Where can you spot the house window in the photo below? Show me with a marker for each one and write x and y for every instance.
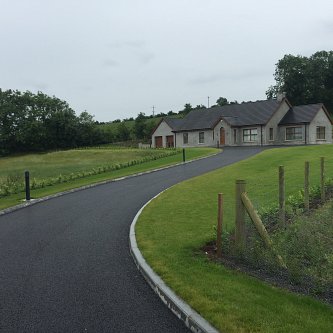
(201, 137)
(271, 134)
(250, 134)
(235, 136)
(185, 138)
(294, 133)
(321, 133)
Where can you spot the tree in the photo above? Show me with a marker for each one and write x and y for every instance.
(199, 107)
(139, 128)
(305, 80)
(150, 128)
(62, 129)
(290, 77)
(187, 109)
(123, 133)
(221, 101)
(87, 131)
(31, 122)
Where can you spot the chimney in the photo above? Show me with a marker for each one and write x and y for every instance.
(280, 96)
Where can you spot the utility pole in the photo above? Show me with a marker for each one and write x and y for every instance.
(153, 107)
(208, 101)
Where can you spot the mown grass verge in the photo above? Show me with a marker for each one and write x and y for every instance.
(59, 166)
(173, 228)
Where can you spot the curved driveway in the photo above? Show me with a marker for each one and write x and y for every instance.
(65, 264)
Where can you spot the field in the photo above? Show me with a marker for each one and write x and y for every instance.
(53, 172)
(52, 164)
(173, 229)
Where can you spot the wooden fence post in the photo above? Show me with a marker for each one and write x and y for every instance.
(240, 216)
(322, 178)
(219, 226)
(260, 227)
(306, 186)
(282, 198)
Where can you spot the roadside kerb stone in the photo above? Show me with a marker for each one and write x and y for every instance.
(181, 309)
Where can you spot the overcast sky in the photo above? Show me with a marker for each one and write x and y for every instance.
(118, 58)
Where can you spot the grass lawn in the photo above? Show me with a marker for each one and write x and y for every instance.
(53, 164)
(173, 228)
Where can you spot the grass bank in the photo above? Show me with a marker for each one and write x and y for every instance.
(173, 228)
(84, 163)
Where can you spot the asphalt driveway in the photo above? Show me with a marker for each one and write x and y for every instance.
(65, 264)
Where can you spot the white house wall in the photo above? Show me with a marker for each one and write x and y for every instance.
(257, 142)
(320, 120)
(278, 135)
(227, 131)
(193, 139)
(303, 141)
(162, 130)
(309, 131)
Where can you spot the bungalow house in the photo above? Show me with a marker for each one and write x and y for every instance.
(270, 122)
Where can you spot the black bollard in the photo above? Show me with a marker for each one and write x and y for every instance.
(27, 186)
(184, 155)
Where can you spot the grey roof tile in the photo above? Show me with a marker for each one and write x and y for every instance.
(245, 114)
(300, 114)
(174, 123)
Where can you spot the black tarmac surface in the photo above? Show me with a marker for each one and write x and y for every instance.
(65, 264)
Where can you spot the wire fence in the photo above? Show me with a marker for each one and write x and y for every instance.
(264, 190)
(298, 251)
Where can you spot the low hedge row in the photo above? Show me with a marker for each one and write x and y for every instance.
(15, 183)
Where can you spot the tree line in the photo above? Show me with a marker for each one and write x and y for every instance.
(37, 122)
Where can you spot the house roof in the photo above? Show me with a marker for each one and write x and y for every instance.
(245, 114)
(174, 123)
(302, 114)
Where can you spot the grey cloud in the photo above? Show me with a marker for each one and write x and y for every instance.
(86, 88)
(132, 44)
(110, 63)
(146, 58)
(328, 26)
(228, 75)
(206, 79)
(41, 86)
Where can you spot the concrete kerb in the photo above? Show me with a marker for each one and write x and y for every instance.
(182, 310)
(36, 201)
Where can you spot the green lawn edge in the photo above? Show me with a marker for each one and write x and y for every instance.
(191, 154)
(176, 224)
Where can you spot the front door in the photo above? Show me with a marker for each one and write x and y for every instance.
(169, 141)
(222, 136)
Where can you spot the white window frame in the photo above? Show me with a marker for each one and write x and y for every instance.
(271, 131)
(185, 135)
(252, 129)
(294, 139)
(318, 128)
(201, 139)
